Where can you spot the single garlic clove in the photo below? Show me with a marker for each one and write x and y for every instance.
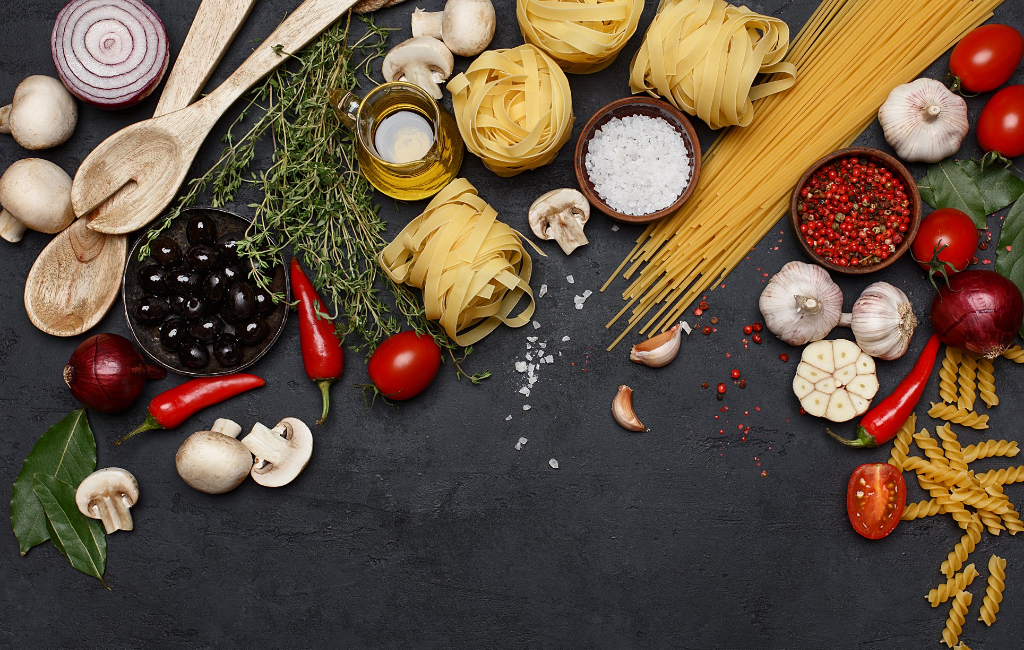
(658, 351)
(815, 403)
(622, 410)
(819, 354)
(802, 387)
(840, 407)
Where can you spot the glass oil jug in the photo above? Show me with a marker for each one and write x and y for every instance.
(408, 147)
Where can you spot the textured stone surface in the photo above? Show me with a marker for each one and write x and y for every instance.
(423, 526)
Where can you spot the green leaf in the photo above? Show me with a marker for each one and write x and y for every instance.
(79, 539)
(947, 185)
(999, 186)
(1010, 251)
(66, 451)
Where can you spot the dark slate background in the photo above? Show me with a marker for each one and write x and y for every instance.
(423, 526)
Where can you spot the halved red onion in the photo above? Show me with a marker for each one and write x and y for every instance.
(109, 53)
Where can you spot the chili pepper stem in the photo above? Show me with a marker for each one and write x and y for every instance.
(148, 425)
(864, 440)
(325, 391)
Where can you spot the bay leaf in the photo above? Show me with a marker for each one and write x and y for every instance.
(947, 185)
(1010, 250)
(66, 451)
(999, 186)
(78, 538)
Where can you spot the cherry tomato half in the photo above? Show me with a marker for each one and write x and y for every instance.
(404, 365)
(987, 57)
(1001, 123)
(953, 232)
(875, 499)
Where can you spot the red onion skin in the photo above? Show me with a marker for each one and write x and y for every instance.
(980, 311)
(106, 373)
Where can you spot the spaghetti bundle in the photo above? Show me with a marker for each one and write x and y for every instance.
(582, 36)
(849, 55)
(472, 268)
(703, 56)
(514, 109)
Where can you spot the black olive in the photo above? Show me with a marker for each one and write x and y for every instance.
(252, 331)
(153, 279)
(228, 350)
(201, 257)
(193, 354)
(194, 308)
(165, 251)
(264, 303)
(172, 334)
(240, 303)
(150, 310)
(200, 230)
(183, 281)
(215, 287)
(233, 273)
(226, 248)
(205, 329)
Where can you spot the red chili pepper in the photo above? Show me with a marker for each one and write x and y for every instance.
(882, 423)
(172, 407)
(322, 354)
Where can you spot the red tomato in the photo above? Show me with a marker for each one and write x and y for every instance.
(875, 499)
(987, 57)
(1001, 124)
(404, 365)
(948, 234)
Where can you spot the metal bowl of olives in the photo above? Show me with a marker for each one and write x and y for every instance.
(191, 304)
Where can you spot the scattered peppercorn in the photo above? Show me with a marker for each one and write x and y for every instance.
(756, 327)
(719, 397)
(698, 311)
(748, 330)
(721, 389)
(706, 330)
(704, 384)
(757, 338)
(735, 374)
(743, 383)
(704, 305)
(783, 357)
(714, 320)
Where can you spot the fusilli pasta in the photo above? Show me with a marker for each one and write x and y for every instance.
(945, 475)
(948, 375)
(930, 448)
(922, 509)
(968, 374)
(959, 582)
(1014, 354)
(951, 445)
(963, 416)
(991, 448)
(901, 444)
(963, 548)
(994, 590)
(957, 615)
(987, 382)
(1003, 476)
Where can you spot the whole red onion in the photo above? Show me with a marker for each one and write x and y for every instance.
(980, 311)
(106, 373)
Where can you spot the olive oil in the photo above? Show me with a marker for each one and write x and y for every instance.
(403, 136)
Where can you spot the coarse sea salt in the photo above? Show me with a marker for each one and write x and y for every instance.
(638, 164)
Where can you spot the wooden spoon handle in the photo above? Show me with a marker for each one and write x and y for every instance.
(298, 29)
(213, 29)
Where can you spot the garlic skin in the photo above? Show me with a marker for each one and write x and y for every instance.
(622, 410)
(801, 303)
(882, 321)
(658, 351)
(924, 121)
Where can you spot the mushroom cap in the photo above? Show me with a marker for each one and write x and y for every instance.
(281, 453)
(213, 462)
(468, 26)
(38, 194)
(554, 202)
(413, 59)
(43, 113)
(111, 481)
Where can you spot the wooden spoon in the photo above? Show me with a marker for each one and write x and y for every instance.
(156, 154)
(76, 278)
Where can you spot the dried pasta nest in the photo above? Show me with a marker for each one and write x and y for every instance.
(582, 36)
(513, 108)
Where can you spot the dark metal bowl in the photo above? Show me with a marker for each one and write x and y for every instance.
(147, 336)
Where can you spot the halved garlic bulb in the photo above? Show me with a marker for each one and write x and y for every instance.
(924, 121)
(835, 380)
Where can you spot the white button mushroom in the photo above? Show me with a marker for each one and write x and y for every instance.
(465, 26)
(423, 61)
(281, 453)
(214, 461)
(36, 194)
(561, 215)
(107, 495)
(43, 113)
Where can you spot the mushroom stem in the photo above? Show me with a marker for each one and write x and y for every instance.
(10, 228)
(267, 445)
(5, 119)
(427, 23)
(422, 76)
(568, 232)
(114, 511)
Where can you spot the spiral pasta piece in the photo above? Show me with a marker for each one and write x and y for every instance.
(963, 548)
(703, 56)
(901, 444)
(994, 590)
(1003, 476)
(956, 415)
(513, 108)
(956, 618)
(983, 501)
(951, 445)
(961, 646)
(922, 509)
(993, 522)
(1012, 522)
(948, 375)
(472, 268)
(1014, 354)
(967, 381)
(959, 582)
(987, 382)
(582, 36)
(939, 473)
(930, 448)
(990, 449)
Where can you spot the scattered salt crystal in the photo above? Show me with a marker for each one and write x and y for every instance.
(553, 463)
(524, 391)
(523, 441)
(529, 356)
(564, 339)
(543, 345)
(686, 327)
(588, 293)
(520, 366)
(532, 380)
(570, 279)
(549, 359)
(615, 227)
(543, 290)
(536, 325)
(508, 418)
(531, 339)
(526, 407)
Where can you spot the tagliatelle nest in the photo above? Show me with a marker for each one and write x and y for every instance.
(582, 36)
(472, 268)
(513, 108)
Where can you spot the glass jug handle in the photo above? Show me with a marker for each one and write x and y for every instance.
(346, 105)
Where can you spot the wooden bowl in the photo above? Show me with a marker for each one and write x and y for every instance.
(148, 336)
(637, 106)
(879, 158)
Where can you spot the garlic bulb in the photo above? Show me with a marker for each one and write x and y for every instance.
(924, 121)
(835, 380)
(801, 303)
(882, 321)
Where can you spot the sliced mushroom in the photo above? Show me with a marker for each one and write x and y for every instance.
(281, 453)
(41, 115)
(214, 461)
(107, 495)
(36, 194)
(423, 61)
(561, 215)
(465, 26)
